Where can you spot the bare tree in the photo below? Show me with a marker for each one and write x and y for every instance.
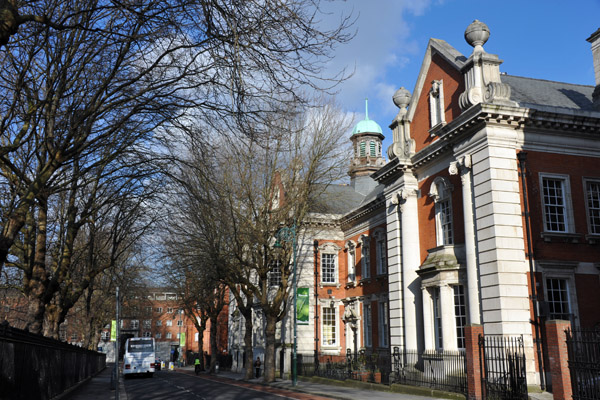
(243, 192)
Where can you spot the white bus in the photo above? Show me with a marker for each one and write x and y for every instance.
(139, 356)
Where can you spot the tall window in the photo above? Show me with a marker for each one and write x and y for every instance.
(381, 254)
(436, 103)
(159, 323)
(329, 326)
(557, 291)
(328, 274)
(159, 310)
(147, 323)
(437, 318)
(592, 189)
(351, 262)
(460, 313)
(147, 334)
(555, 200)
(367, 324)
(372, 149)
(169, 322)
(383, 323)
(441, 191)
(169, 335)
(134, 324)
(275, 273)
(169, 310)
(365, 257)
(158, 335)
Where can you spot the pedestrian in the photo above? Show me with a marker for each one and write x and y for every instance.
(197, 365)
(257, 366)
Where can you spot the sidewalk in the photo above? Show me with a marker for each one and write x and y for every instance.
(96, 388)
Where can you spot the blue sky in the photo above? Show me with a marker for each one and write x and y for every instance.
(539, 39)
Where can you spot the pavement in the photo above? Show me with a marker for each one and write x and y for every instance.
(99, 387)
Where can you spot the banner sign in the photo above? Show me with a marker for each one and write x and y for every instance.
(113, 331)
(302, 306)
(182, 339)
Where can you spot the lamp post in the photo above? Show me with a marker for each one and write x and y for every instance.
(288, 234)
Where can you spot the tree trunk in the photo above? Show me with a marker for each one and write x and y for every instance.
(249, 358)
(213, 343)
(269, 361)
(38, 282)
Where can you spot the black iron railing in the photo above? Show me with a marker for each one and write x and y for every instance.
(442, 370)
(36, 367)
(584, 363)
(503, 367)
(365, 366)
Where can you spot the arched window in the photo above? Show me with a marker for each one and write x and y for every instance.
(441, 192)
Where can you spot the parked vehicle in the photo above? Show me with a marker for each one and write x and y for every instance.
(139, 356)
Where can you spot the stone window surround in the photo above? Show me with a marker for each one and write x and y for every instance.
(569, 218)
(329, 248)
(562, 270)
(351, 261)
(440, 190)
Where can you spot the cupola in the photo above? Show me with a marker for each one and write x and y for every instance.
(367, 139)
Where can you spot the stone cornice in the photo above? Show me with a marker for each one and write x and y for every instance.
(552, 119)
(363, 211)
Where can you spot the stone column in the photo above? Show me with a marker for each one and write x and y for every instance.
(410, 264)
(463, 166)
(448, 320)
(427, 320)
(394, 272)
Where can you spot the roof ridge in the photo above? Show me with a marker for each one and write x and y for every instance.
(544, 80)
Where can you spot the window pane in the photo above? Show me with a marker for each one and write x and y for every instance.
(558, 299)
(593, 200)
(328, 268)
(460, 312)
(554, 205)
(367, 324)
(329, 326)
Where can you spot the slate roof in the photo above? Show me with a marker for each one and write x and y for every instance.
(337, 199)
(532, 93)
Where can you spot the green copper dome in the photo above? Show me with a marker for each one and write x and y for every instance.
(367, 125)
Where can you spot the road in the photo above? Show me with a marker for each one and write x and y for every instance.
(166, 385)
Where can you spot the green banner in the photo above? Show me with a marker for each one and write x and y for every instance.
(302, 306)
(113, 331)
(182, 339)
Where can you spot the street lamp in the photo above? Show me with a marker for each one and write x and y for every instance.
(289, 235)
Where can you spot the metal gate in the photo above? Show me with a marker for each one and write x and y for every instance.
(584, 363)
(503, 372)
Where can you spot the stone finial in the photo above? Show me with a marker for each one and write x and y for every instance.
(403, 146)
(401, 98)
(477, 34)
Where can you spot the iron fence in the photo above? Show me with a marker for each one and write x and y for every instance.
(503, 367)
(583, 347)
(366, 366)
(442, 370)
(36, 367)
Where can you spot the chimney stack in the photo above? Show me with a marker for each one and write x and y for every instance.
(594, 39)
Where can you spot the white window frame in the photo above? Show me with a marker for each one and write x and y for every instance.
(169, 322)
(330, 249)
(179, 322)
(159, 310)
(274, 274)
(335, 312)
(592, 213)
(159, 322)
(438, 332)
(158, 335)
(564, 271)
(460, 303)
(367, 320)
(381, 252)
(147, 334)
(169, 310)
(365, 257)
(147, 323)
(441, 192)
(332, 268)
(567, 203)
(169, 335)
(383, 317)
(134, 324)
(351, 260)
